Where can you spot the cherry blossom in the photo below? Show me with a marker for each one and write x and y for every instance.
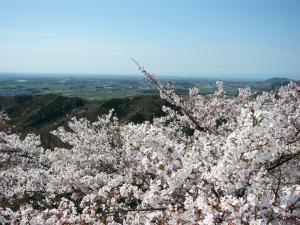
(210, 160)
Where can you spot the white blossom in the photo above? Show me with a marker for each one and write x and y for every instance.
(216, 160)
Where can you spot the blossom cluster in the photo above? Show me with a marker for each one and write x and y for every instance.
(209, 160)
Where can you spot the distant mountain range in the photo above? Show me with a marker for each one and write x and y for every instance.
(278, 82)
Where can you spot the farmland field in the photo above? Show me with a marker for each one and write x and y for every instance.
(105, 87)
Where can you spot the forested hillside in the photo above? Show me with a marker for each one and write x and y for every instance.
(41, 114)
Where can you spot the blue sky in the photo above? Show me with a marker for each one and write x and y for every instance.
(169, 37)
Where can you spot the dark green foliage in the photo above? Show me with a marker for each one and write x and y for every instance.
(138, 118)
(22, 98)
(42, 113)
(55, 109)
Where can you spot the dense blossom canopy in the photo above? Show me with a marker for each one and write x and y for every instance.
(209, 160)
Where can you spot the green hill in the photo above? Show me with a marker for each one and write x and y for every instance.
(42, 113)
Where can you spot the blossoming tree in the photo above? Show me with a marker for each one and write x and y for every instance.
(210, 160)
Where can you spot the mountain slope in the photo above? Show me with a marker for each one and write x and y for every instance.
(42, 113)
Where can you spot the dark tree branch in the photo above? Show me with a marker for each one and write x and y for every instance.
(281, 160)
(152, 78)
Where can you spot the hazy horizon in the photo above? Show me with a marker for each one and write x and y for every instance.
(258, 77)
(243, 39)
